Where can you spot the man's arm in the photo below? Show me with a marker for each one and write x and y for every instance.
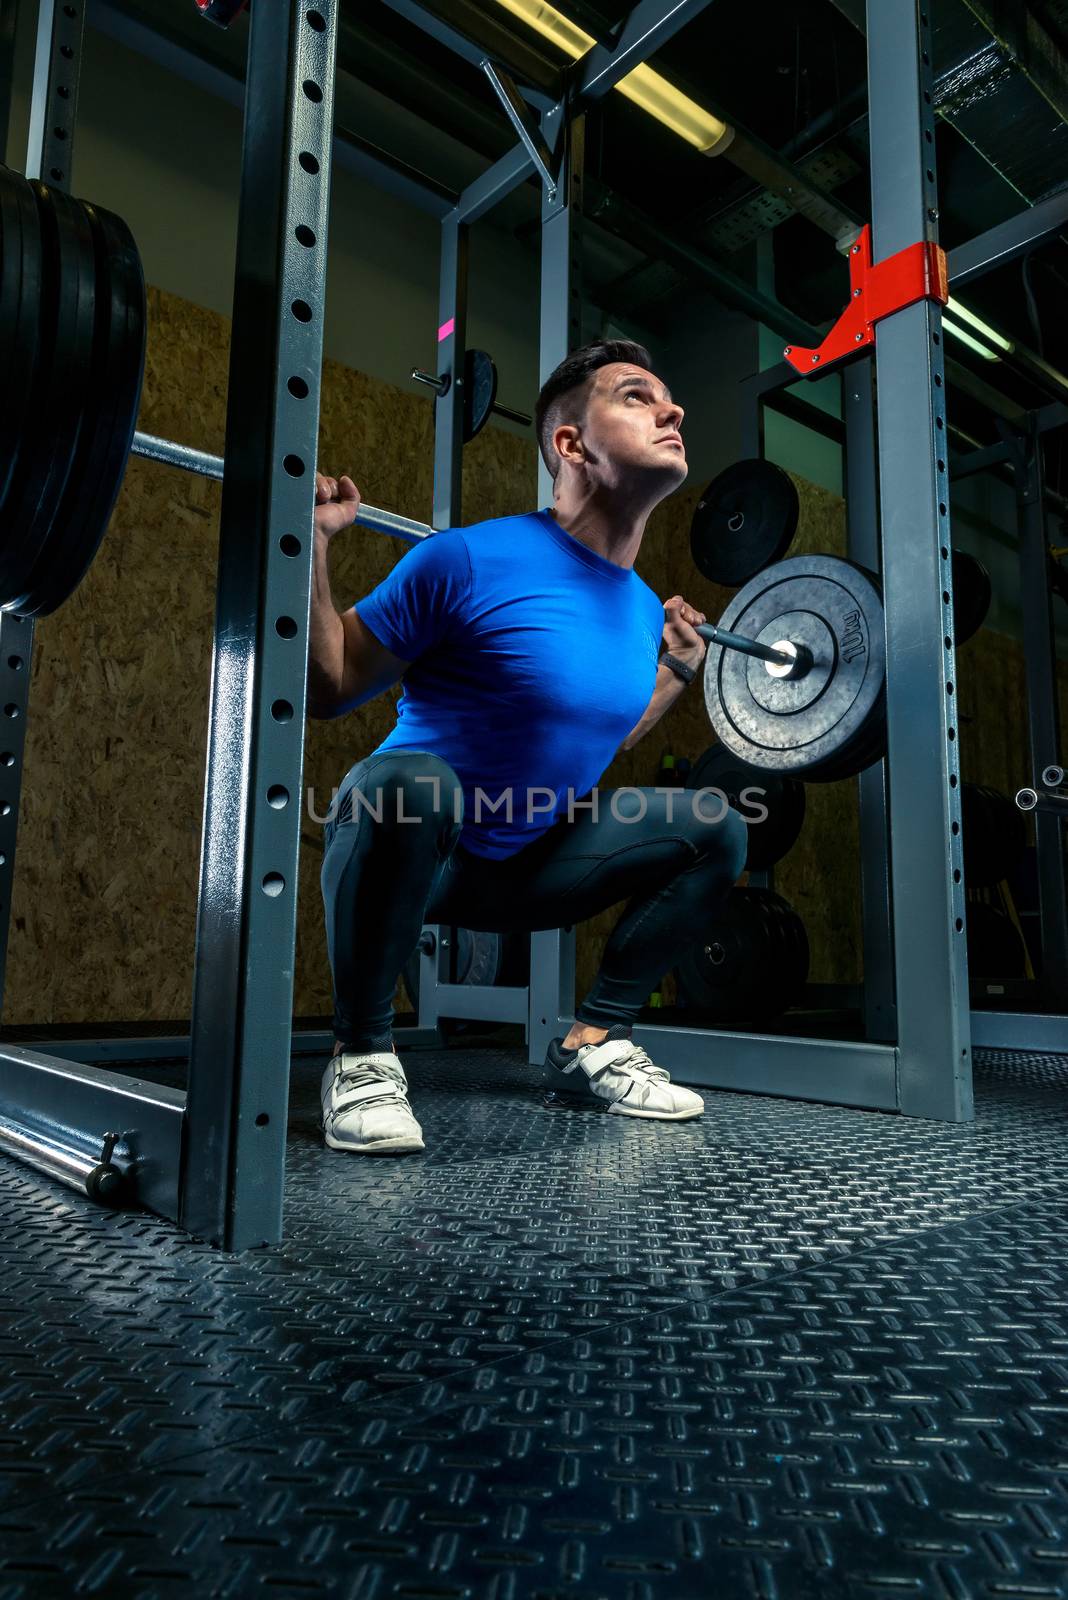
(667, 691)
(687, 646)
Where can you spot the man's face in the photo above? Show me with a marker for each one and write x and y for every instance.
(632, 427)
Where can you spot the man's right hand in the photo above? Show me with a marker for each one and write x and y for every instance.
(337, 500)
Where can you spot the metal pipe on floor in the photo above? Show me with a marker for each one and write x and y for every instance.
(187, 459)
(99, 1177)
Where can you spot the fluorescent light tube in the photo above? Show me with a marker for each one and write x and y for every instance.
(966, 338)
(996, 339)
(646, 88)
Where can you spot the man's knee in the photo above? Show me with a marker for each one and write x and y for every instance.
(720, 831)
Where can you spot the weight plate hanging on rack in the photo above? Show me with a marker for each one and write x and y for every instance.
(480, 392)
(118, 367)
(827, 723)
(751, 962)
(57, 405)
(20, 322)
(745, 520)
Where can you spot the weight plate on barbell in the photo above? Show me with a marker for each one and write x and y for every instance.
(119, 360)
(782, 797)
(804, 725)
(56, 408)
(972, 594)
(745, 520)
(20, 280)
(480, 392)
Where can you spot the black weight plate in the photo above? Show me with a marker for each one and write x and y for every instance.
(801, 726)
(783, 797)
(19, 319)
(996, 952)
(57, 404)
(742, 967)
(480, 392)
(119, 361)
(993, 835)
(745, 520)
(971, 595)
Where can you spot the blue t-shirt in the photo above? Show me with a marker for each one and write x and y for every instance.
(534, 657)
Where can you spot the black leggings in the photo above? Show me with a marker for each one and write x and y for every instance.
(393, 863)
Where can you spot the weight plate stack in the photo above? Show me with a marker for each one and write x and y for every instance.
(60, 399)
(745, 520)
(828, 723)
(20, 318)
(118, 362)
(751, 963)
(783, 797)
(72, 314)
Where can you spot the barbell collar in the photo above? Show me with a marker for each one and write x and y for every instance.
(1053, 804)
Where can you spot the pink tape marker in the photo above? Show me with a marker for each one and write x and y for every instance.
(446, 330)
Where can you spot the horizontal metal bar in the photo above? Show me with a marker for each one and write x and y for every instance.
(78, 1169)
(183, 456)
(474, 34)
(993, 455)
(478, 1002)
(1055, 415)
(72, 1106)
(834, 1070)
(1020, 1030)
(494, 185)
(651, 24)
(1008, 240)
(352, 152)
(175, 1046)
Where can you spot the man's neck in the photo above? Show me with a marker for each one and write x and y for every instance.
(611, 532)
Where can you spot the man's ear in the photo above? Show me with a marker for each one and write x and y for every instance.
(567, 442)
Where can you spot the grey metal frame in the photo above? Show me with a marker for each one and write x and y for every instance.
(214, 1159)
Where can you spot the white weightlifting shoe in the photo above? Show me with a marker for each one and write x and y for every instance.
(619, 1072)
(365, 1105)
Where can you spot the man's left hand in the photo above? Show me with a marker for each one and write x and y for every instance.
(680, 636)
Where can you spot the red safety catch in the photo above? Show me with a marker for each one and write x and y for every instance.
(221, 11)
(916, 273)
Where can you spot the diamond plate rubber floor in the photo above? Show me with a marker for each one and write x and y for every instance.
(786, 1351)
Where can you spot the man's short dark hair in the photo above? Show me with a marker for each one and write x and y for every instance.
(563, 398)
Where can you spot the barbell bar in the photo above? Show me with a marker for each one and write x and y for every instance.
(785, 660)
(183, 456)
(790, 660)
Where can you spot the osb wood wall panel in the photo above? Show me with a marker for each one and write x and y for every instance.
(105, 885)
